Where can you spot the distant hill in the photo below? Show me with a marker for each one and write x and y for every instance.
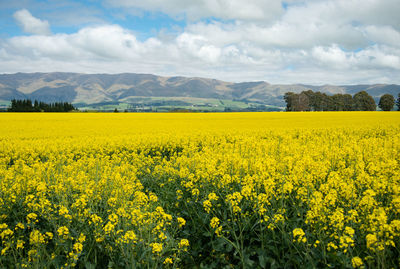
(150, 92)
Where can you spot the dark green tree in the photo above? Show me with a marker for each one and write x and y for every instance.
(324, 102)
(28, 106)
(297, 102)
(364, 102)
(398, 102)
(312, 100)
(386, 103)
(348, 102)
(319, 101)
(337, 102)
(302, 102)
(289, 97)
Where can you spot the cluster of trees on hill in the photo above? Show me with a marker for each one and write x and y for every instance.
(317, 101)
(36, 106)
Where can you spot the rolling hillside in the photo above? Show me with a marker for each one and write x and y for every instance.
(145, 91)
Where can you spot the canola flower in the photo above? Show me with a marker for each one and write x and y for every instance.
(181, 222)
(168, 261)
(299, 235)
(357, 262)
(178, 190)
(157, 247)
(183, 244)
(214, 223)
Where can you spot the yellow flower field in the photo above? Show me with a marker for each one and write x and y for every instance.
(205, 190)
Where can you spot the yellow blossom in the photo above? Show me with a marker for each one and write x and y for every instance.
(20, 244)
(299, 235)
(63, 232)
(31, 218)
(181, 222)
(214, 223)
(184, 244)
(36, 238)
(156, 247)
(168, 261)
(356, 262)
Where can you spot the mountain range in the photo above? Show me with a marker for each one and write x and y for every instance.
(145, 91)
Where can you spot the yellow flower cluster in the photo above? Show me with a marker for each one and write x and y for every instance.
(357, 262)
(299, 236)
(181, 222)
(157, 247)
(184, 244)
(214, 223)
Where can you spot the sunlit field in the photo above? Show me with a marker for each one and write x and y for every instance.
(200, 190)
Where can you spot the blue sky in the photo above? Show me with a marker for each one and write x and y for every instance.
(292, 41)
(70, 16)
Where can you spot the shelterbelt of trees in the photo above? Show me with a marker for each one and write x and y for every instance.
(317, 101)
(36, 106)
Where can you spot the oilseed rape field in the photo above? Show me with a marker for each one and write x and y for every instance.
(201, 190)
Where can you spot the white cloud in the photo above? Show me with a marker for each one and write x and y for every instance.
(30, 24)
(113, 49)
(379, 57)
(383, 35)
(196, 9)
(382, 12)
(314, 42)
(110, 42)
(331, 57)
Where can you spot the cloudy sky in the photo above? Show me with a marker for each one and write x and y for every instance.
(294, 41)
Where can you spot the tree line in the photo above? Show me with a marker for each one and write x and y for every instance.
(27, 105)
(317, 101)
